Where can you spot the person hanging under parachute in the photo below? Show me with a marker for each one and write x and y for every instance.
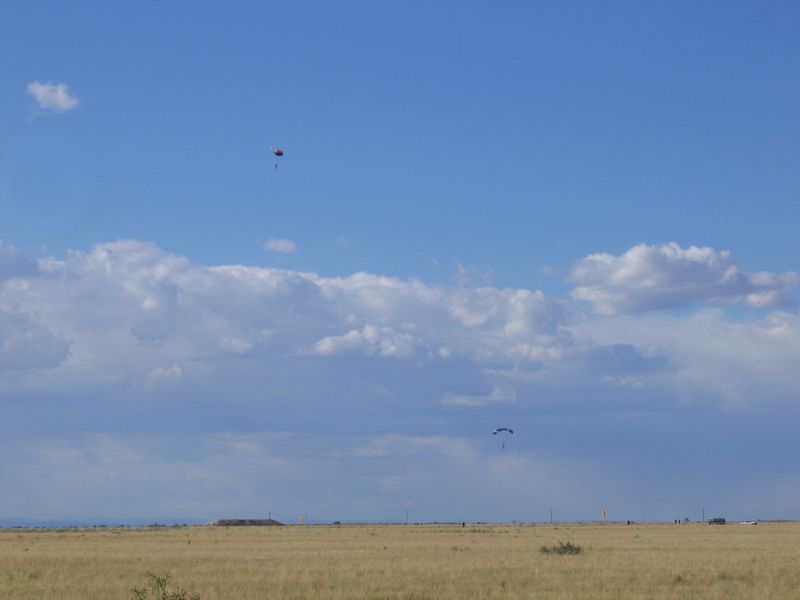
(278, 153)
(501, 429)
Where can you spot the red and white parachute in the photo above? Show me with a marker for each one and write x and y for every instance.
(278, 152)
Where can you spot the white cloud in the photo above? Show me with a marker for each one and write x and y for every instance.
(131, 310)
(653, 277)
(131, 315)
(371, 340)
(372, 389)
(53, 97)
(280, 245)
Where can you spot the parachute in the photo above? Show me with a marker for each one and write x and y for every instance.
(278, 153)
(499, 429)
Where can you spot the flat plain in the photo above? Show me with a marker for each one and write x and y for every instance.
(386, 562)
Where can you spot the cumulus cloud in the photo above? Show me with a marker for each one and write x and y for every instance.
(654, 277)
(371, 340)
(387, 386)
(141, 318)
(132, 315)
(283, 246)
(53, 97)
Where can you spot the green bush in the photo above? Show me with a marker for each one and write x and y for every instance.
(562, 548)
(157, 588)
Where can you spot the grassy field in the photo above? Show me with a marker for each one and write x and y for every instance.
(408, 562)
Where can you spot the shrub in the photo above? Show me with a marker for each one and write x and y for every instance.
(562, 548)
(157, 588)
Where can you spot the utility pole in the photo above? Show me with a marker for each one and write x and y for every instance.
(551, 515)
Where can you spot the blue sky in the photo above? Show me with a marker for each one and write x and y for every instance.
(579, 220)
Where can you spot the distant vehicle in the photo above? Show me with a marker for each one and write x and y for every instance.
(748, 522)
(717, 521)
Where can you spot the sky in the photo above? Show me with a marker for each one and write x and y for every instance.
(576, 220)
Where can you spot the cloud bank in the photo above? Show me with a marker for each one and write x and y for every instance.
(363, 390)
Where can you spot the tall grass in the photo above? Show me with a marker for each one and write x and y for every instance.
(659, 562)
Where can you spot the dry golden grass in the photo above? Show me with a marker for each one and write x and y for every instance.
(697, 562)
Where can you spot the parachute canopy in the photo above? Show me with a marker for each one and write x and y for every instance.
(277, 152)
(499, 429)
